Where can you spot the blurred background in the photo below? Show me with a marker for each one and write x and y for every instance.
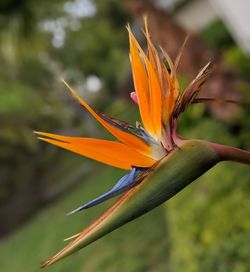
(204, 228)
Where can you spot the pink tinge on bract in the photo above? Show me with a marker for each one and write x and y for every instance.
(134, 98)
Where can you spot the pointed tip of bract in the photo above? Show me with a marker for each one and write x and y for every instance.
(74, 211)
(128, 28)
(181, 50)
(72, 91)
(44, 264)
(71, 237)
(75, 95)
(145, 21)
(54, 259)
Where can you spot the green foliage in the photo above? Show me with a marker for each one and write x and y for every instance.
(237, 60)
(217, 36)
(209, 222)
(15, 96)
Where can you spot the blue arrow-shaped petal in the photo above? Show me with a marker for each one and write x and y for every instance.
(121, 186)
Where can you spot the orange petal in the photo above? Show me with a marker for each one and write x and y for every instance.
(155, 96)
(156, 62)
(169, 98)
(108, 152)
(153, 55)
(141, 83)
(155, 99)
(129, 139)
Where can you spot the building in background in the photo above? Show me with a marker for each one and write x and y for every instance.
(234, 14)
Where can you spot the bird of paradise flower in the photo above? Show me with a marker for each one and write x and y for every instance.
(161, 163)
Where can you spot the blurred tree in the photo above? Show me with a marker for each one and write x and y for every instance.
(80, 40)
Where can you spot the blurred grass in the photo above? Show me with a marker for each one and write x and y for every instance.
(136, 247)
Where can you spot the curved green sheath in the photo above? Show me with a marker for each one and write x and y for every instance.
(174, 172)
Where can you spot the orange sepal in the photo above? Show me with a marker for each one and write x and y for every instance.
(108, 152)
(155, 96)
(127, 138)
(141, 83)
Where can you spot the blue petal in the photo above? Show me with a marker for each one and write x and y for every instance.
(144, 135)
(122, 185)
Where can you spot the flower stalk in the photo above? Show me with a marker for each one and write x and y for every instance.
(229, 153)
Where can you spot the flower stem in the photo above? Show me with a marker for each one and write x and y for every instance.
(229, 153)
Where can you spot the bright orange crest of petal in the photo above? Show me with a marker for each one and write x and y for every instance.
(108, 152)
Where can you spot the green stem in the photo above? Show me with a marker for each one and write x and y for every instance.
(228, 153)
